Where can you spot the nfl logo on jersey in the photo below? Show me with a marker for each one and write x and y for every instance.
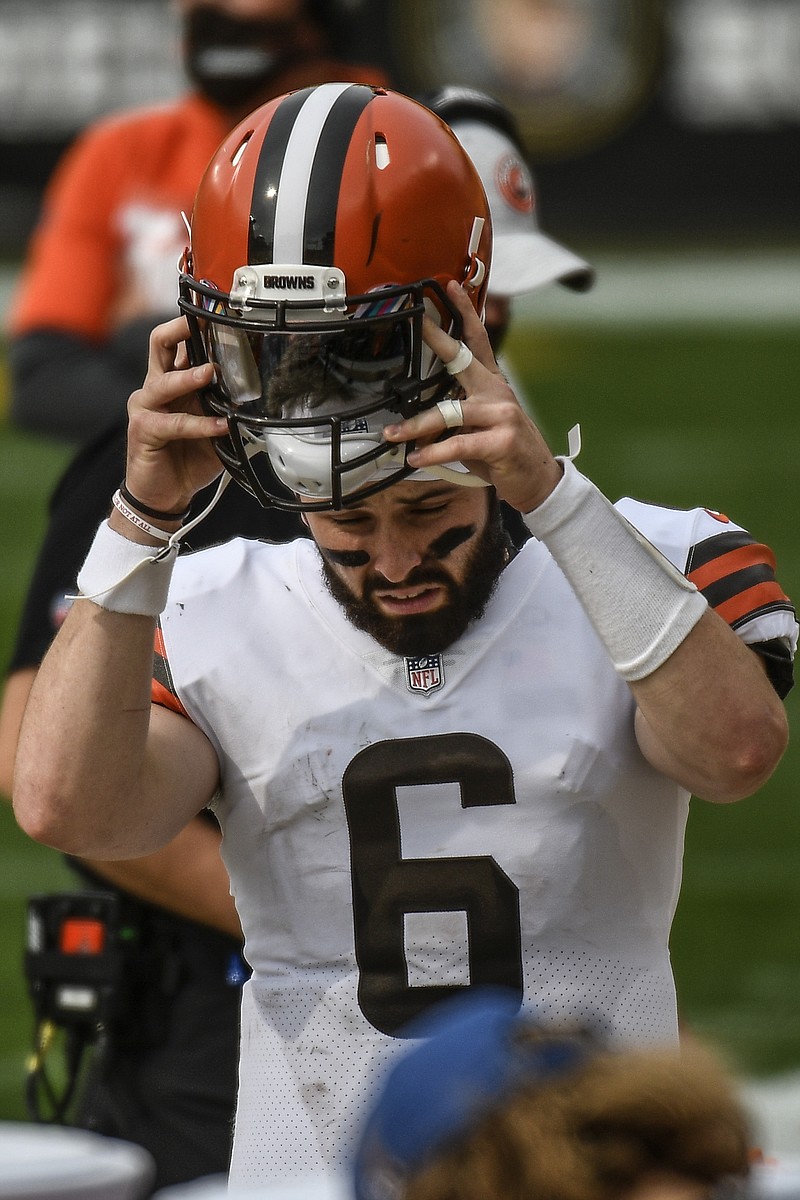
(424, 674)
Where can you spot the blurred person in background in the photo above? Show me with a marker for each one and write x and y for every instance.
(524, 257)
(102, 265)
(489, 1105)
(112, 227)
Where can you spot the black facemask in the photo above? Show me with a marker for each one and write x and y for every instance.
(232, 62)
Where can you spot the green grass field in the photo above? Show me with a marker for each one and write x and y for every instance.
(706, 415)
(28, 469)
(677, 415)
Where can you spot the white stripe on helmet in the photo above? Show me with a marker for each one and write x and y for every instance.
(296, 171)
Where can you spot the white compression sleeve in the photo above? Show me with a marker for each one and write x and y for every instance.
(641, 606)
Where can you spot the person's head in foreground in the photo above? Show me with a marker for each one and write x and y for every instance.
(492, 1106)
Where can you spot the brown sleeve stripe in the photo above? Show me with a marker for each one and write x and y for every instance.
(763, 597)
(752, 556)
(737, 576)
(715, 546)
(163, 689)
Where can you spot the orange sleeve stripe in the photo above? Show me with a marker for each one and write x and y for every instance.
(167, 699)
(159, 645)
(748, 601)
(753, 555)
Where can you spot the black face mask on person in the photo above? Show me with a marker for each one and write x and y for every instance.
(231, 61)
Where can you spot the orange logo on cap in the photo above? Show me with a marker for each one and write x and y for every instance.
(514, 183)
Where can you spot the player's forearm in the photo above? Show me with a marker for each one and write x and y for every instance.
(15, 697)
(709, 717)
(99, 773)
(81, 752)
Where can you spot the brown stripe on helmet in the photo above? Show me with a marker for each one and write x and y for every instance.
(326, 174)
(261, 239)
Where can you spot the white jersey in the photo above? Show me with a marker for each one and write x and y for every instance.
(394, 827)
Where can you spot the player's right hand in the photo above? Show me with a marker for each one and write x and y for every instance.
(170, 456)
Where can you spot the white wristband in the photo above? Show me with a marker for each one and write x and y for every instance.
(641, 606)
(124, 576)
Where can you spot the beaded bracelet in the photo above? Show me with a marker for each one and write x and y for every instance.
(155, 513)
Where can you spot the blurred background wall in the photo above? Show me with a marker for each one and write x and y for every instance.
(646, 120)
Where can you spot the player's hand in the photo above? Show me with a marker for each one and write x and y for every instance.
(170, 455)
(498, 441)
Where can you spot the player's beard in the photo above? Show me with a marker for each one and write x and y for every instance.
(429, 633)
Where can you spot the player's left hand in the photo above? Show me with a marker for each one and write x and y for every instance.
(497, 441)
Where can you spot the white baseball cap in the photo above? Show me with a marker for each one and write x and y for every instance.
(523, 258)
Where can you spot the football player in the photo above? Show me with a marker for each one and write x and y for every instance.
(437, 761)
(187, 879)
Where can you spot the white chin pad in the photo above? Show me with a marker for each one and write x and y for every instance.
(301, 458)
(303, 462)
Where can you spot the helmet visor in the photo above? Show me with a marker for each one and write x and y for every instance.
(301, 375)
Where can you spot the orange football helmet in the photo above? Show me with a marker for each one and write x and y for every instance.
(327, 223)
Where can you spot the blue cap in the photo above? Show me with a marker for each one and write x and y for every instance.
(469, 1060)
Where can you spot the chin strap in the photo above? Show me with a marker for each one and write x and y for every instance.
(574, 443)
(463, 478)
(224, 479)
